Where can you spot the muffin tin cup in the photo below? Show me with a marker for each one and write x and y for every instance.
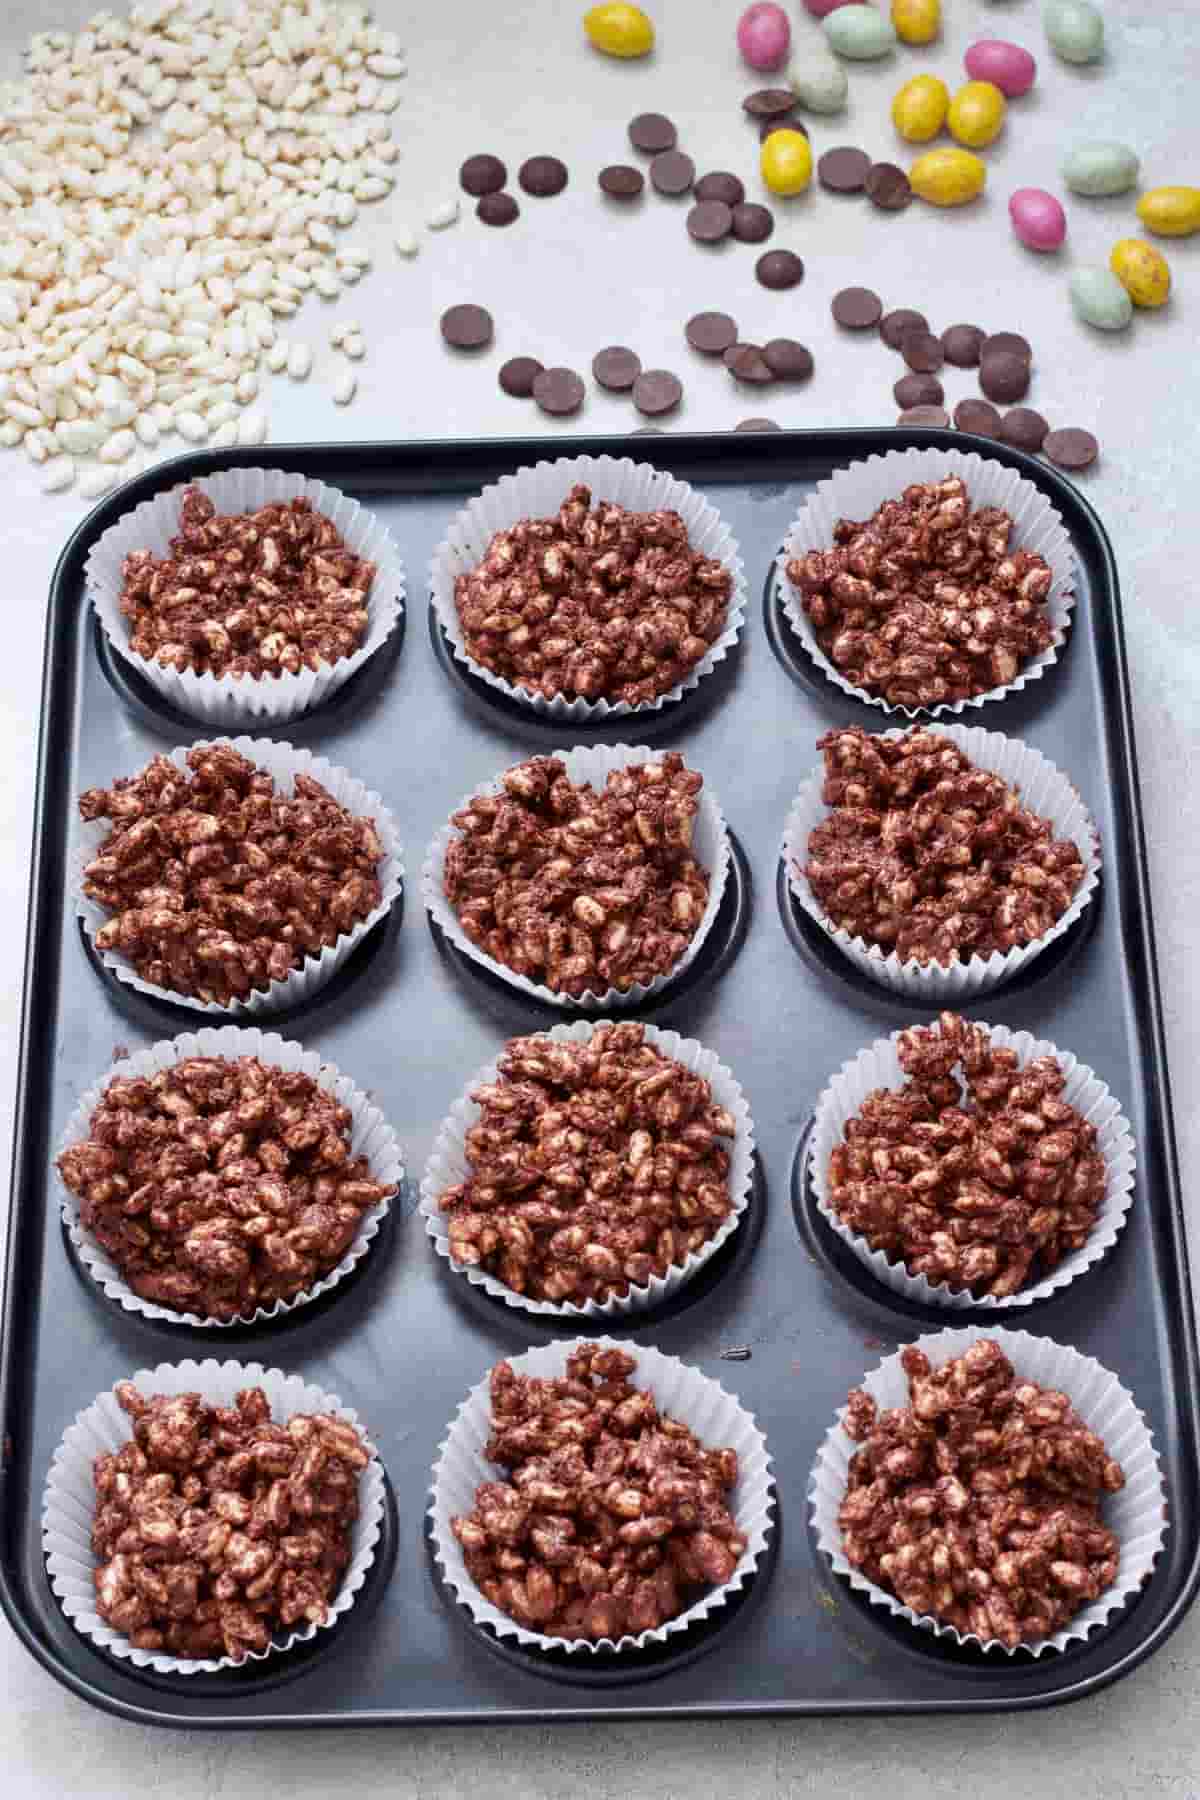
(718, 1420)
(370, 1136)
(1043, 789)
(1138, 1514)
(856, 493)
(538, 493)
(588, 763)
(69, 1503)
(878, 1066)
(282, 762)
(232, 700)
(448, 1165)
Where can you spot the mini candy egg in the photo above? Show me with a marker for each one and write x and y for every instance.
(1075, 30)
(1100, 300)
(976, 116)
(764, 35)
(920, 107)
(1012, 69)
(820, 85)
(1142, 271)
(1100, 168)
(860, 33)
(619, 30)
(821, 9)
(786, 162)
(1038, 219)
(947, 177)
(1170, 211)
(917, 21)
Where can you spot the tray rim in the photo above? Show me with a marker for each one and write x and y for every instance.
(746, 456)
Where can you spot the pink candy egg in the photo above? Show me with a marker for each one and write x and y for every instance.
(1038, 219)
(764, 35)
(1006, 66)
(821, 9)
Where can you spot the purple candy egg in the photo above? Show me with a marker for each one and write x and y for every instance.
(1006, 66)
(764, 35)
(1038, 219)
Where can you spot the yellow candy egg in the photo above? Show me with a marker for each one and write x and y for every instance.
(786, 162)
(619, 30)
(920, 107)
(1142, 271)
(976, 114)
(1170, 211)
(917, 21)
(947, 177)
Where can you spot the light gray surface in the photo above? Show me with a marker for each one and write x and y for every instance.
(515, 77)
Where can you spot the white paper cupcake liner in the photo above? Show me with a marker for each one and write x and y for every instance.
(69, 1502)
(1138, 1514)
(588, 763)
(282, 762)
(448, 1165)
(856, 492)
(1043, 789)
(537, 493)
(718, 1420)
(234, 700)
(878, 1066)
(370, 1136)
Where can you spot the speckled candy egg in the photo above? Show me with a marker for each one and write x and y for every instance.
(976, 116)
(619, 30)
(786, 162)
(1011, 68)
(917, 21)
(1038, 219)
(920, 107)
(1075, 30)
(821, 9)
(819, 83)
(1142, 271)
(860, 33)
(1100, 168)
(947, 177)
(1099, 299)
(1170, 211)
(764, 35)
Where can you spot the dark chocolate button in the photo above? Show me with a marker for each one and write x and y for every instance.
(769, 103)
(787, 359)
(922, 351)
(844, 170)
(620, 182)
(652, 133)
(543, 176)
(767, 126)
(888, 187)
(1024, 428)
(518, 376)
(558, 391)
(720, 185)
(1071, 448)
(924, 415)
(616, 368)
(752, 224)
(962, 344)
(672, 173)
(730, 356)
(709, 221)
(482, 175)
(977, 416)
(711, 333)
(918, 390)
(1004, 375)
(893, 325)
(657, 391)
(746, 363)
(1011, 342)
(779, 269)
(856, 308)
(467, 327)
(757, 425)
(497, 209)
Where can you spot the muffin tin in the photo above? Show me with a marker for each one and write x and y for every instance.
(403, 1338)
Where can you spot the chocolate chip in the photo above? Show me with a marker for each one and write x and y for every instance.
(779, 269)
(616, 368)
(788, 359)
(769, 103)
(620, 182)
(962, 344)
(518, 375)
(709, 221)
(918, 390)
(1024, 428)
(922, 351)
(558, 391)
(757, 425)
(721, 185)
(977, 416)
(711, 332)
(467, 327)
(497, 209)
(746, 362)
(543, 176)
(1011, 342)
(1071, 448)
(1004, 375)
(752, 224)
(844, 170)
(888, 187)
(482, 175)
(672, 173)
(651, 133)
(856, 308)
(657, 391)
(893, 325)
(924, 415)
(767, 126)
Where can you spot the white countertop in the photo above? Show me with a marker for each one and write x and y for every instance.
(516, 78)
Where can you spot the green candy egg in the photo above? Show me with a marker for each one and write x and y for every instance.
(1100, 168)
(819, 85)
(1075, 29)
(860, 33)
(1100, 300)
